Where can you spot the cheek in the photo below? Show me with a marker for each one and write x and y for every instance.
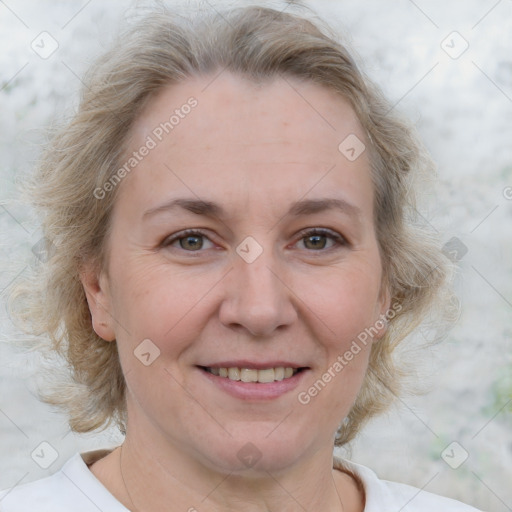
(345, 310)
(345, 302)
(161, 313)
(168, 307)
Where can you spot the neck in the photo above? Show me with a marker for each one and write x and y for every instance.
(155, 479)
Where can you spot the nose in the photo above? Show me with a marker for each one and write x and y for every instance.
(257, 298)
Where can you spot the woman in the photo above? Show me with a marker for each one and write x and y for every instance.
(234, 364)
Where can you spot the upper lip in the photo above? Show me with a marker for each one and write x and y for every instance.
(253, 365)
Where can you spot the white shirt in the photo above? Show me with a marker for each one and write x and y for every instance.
(74, 488)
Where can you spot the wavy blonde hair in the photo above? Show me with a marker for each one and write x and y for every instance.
(161, 49)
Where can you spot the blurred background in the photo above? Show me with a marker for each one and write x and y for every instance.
(447, 66)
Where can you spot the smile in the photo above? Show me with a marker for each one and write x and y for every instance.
(263, 376)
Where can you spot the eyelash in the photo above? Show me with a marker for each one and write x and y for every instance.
(338, 239)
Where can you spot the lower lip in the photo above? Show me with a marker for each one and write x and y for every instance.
(255, 390)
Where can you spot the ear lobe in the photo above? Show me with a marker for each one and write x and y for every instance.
(97, 292)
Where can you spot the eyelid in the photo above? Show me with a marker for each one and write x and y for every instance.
(338, 239)
(168, 240)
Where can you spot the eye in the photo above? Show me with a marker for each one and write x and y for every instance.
(189, 240)
(317, 239)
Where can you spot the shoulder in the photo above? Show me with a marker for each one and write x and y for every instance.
(73, 487)
(382, 495)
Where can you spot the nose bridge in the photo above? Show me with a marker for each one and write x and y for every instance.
(255, 296)
(259, 278)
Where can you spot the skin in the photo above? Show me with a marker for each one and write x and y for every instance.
(254, 150)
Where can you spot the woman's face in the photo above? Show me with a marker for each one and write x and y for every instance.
(280, 269)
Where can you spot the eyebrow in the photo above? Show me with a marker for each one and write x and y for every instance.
(302, 207)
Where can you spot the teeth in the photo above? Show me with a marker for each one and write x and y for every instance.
(233, 373)
(248, 375)
(252, 375)
(268, 375)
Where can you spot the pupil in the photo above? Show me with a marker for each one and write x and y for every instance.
(195, 242)
(317, 241)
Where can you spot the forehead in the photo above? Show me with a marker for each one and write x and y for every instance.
(231, 108)
(227, 132)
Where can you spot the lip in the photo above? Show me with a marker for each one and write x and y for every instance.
(254, 391)
(253, 365)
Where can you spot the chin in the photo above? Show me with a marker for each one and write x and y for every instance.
(257, 453)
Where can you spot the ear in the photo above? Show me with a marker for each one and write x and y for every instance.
(383, 309)
(97, 291)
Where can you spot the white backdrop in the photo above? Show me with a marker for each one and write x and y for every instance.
(448, 67)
